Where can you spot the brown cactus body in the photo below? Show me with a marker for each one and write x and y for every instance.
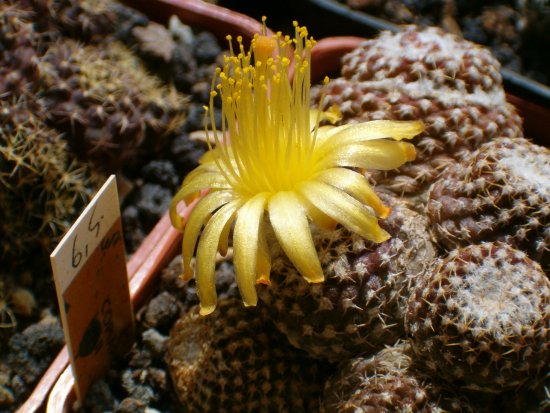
(480, 317)
(501, 193)
(235, 361)
(18, 60)
(112, 110)
(452, 85)
(357, 308)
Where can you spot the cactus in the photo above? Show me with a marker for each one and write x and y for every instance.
(480, 318)
(235, 361)
(18, 60)
(113, 112)
(42, 190)
(452, 85)
(501, 193)
(357, 309)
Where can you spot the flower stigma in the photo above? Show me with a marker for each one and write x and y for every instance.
(272, 164)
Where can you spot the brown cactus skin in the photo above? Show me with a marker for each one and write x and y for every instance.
(18, 58)
(358, 308)
(480, 318)
(234, 360)
(389, 382)
(500, 193)
(452, 85)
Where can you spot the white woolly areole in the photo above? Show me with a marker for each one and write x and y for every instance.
(430, 49)
(498, 296)
(449, 96)
(535, 170)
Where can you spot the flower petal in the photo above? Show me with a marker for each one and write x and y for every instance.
(381, 154)
(376, 129)
(291, 226)
(344, 209)
(263, 266)
(206, 256)
(191, 187)
(198, 217)
(245, 246)
(356, 185)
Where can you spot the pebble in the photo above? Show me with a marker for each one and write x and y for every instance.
(154, 342)
(161, 172)
(31, 352)
(153, 202)
(130, 405)
(161, 311)
(22, 302)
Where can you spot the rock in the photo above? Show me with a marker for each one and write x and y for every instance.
(154, 342)
(161, 311)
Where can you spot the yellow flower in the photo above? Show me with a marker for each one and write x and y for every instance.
(280, 168)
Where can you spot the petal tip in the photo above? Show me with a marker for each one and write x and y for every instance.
(206, 309)
(315, 278)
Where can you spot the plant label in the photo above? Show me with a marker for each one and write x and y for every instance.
(91, 279)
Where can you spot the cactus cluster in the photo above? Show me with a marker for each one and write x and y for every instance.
(112, 110)
(85, 20)
(388, 382)
(452, 85)
(458, 295)
(500, 193)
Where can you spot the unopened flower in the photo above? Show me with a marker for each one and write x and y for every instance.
(280, 168)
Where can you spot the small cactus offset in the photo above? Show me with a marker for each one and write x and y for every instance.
(480, 318)
(452, 85)
(42, 190)
(501, 193)
(357, 309)
(235, 361)
(112, 110)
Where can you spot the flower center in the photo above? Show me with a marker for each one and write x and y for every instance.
(266, 115)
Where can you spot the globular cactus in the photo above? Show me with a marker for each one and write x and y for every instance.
(357, 309)
(113, 112)
(18, 59)
(42, 189)
(85, 20)
(480, 318)
(235, 361)
(452, 85)
(388, 382)
(501, 193)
